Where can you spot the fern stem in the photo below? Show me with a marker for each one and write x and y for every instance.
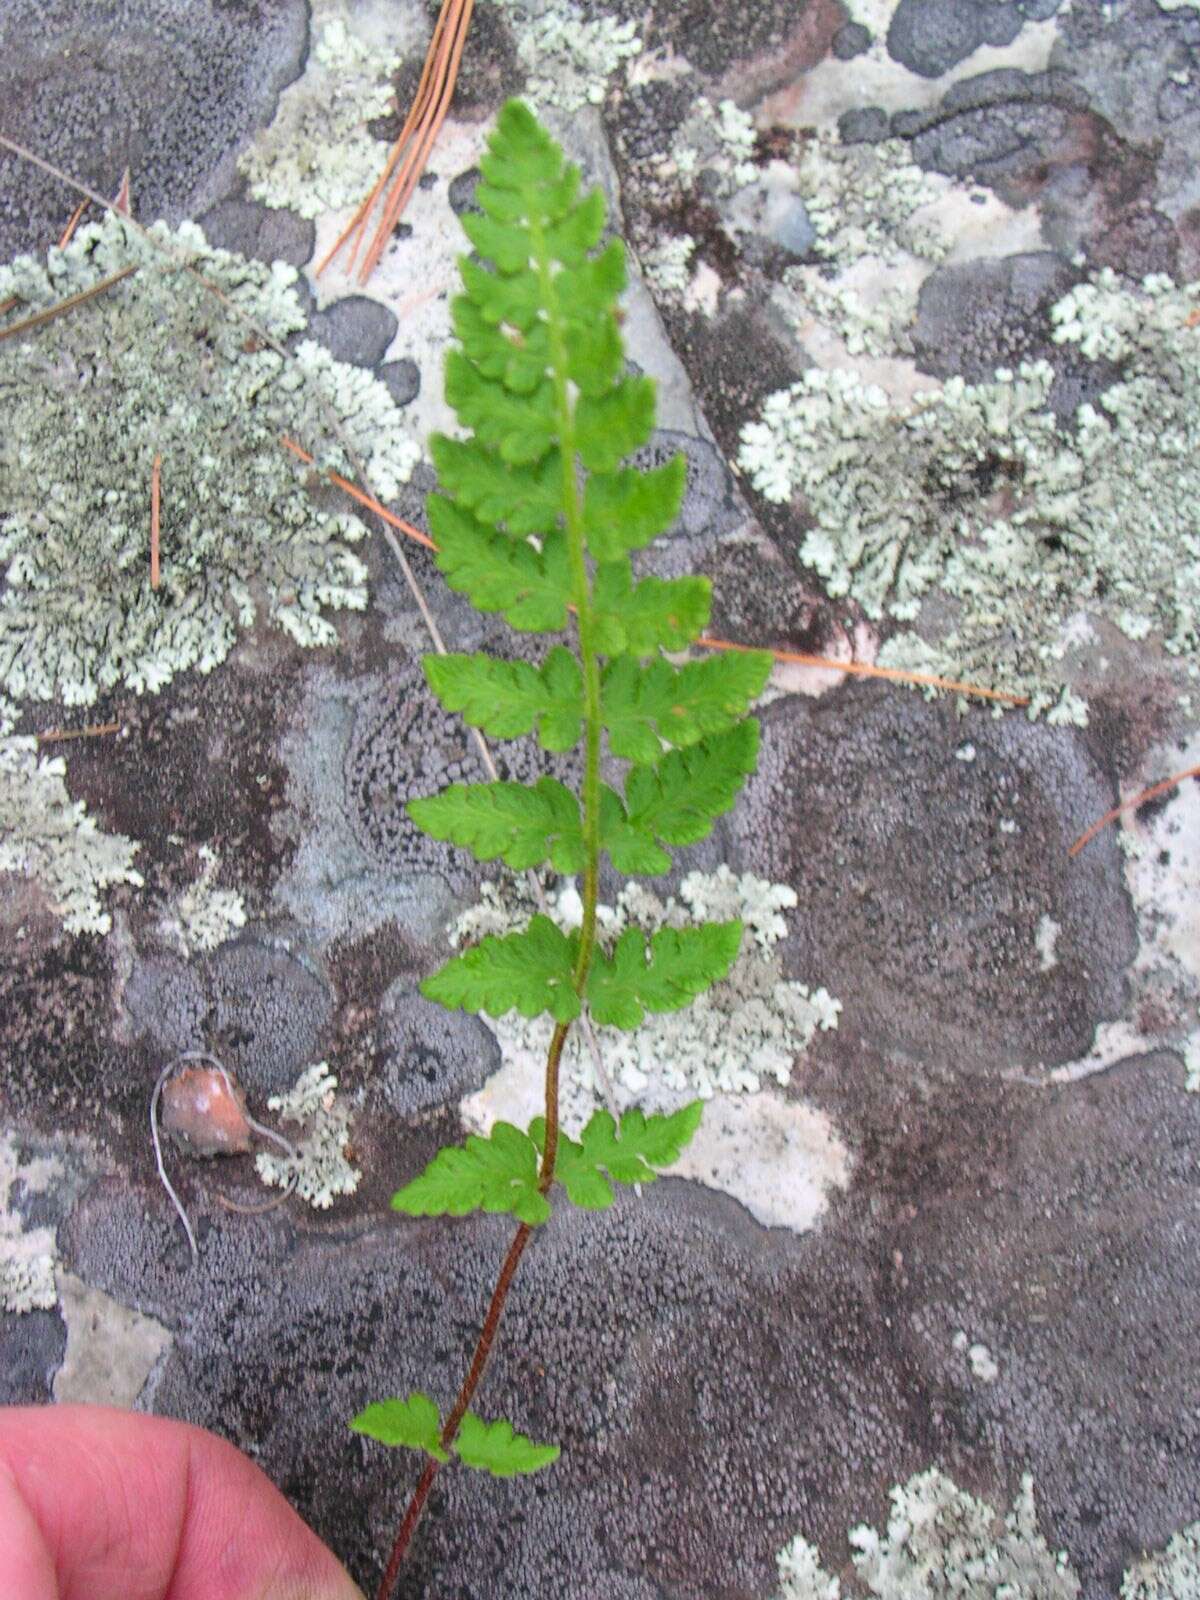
(487, 1334)
(479, 1361)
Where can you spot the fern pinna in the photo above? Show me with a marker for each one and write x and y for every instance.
(536, 519)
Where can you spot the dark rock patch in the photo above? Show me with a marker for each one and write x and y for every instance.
(263, 233)
(170, 91)
(921, 912)
(355, 329)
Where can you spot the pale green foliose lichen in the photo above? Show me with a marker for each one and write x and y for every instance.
(46, 835)
(203, 916)
(156, 366)
(569, 56)
(665, 265)
(745, 1030)
(976, 493)
(867, 200)
(940, 1542)
(321, 1169)
(317, 153)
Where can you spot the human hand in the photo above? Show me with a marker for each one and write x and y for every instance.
(97, 1504)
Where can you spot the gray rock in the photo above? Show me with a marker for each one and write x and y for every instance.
(931, 36)
(851, 40)
(355, 329)
(262, 232)
(403, 379)
(863, 125)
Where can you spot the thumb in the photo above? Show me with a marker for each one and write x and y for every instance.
(97, 1504)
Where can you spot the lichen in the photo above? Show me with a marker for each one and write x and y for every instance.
(155, 366)
(940, 1542)
(27, 1260)
(977, 492)
(866, 200)
(1172, 1575)
(46, 835)
(317, 153)
(745, 1030)
(569, 56)
(665, 264)
(201, 917)
(321, 1169)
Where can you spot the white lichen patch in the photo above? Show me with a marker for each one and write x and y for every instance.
(321, 1169)
(779, 1158)
(569, 55)
(868, 200)
(1046, 942)
(743, 1032)
(46, 835)
(156, 366)
(940, 1541)
(1174, 1574)
(202, 916)
(317, 151)
(27, 1256)
(976, 494)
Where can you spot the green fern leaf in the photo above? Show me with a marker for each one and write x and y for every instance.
(515, 298)
(531, 972)
(641, 706)
(682, 963)
(520, 427)
(509, 698)
(655, 614)
(499, 1173)
(625, 510)
(495, 1448)
(531, 587)
(518, 360)
(614, 423)
(413, 1422)
(525, 499)
(524, 825)
(628, 1156)
(677, 800)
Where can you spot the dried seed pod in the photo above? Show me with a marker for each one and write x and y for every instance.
(203, 1116)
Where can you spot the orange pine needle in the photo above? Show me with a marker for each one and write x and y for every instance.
(1086, 837)
(363, 498)
(894, 674)
(155, 500)
(92, 731)
(411, 150)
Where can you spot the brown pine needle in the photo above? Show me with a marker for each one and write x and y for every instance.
(363, 498)
(893, 674)
(50, 312)
(411, 151)
(155, 499)
(1086, 837)
(93, 731)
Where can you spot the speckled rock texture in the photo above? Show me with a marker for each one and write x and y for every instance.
(1009, 1279)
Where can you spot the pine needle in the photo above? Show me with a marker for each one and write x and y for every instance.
(93, 731)
(1086, 837)
(409, 154)
(363, 498)
(26, 324)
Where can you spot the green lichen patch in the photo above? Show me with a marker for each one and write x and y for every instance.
(569, 55)
(976, 493)
(156, 366)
